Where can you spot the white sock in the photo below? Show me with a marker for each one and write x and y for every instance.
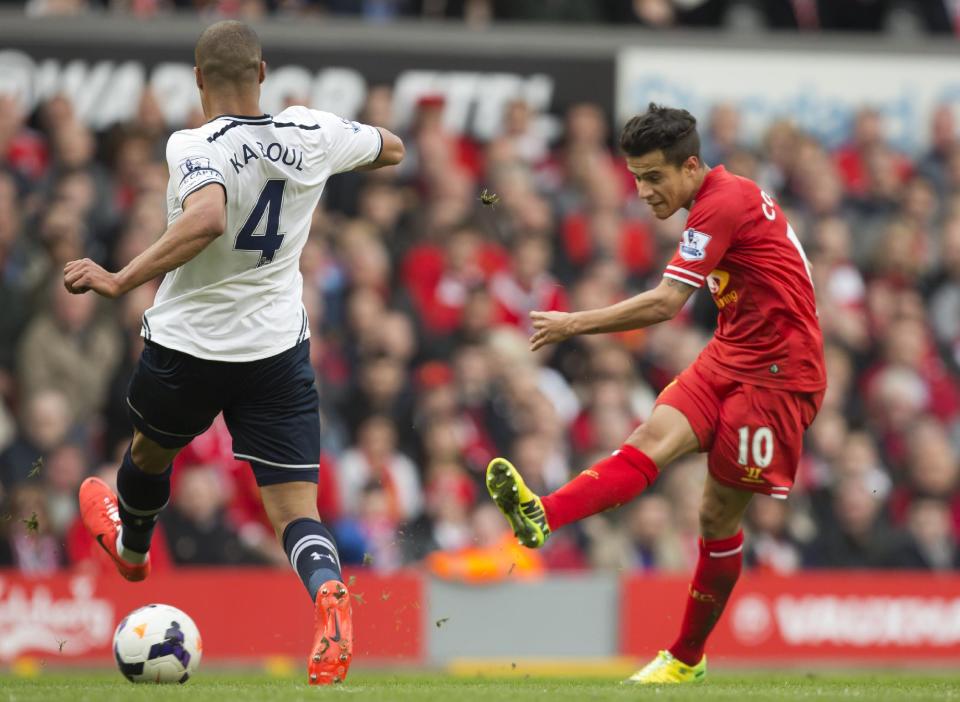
(131, 557)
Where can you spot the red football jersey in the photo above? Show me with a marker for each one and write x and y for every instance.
(739, 243)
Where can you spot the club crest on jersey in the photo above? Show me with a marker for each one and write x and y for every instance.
(351, 125)
(693, 245)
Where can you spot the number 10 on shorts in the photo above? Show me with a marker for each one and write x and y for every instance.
(761, 446)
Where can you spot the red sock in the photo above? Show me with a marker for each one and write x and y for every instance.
(717, 571)
(608, 483)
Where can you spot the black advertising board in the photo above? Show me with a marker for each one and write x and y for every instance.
(105, 77)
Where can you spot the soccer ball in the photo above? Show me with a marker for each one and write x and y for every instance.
(157, 644)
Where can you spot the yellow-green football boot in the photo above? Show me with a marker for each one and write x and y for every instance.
(519, 504)
(666, 670)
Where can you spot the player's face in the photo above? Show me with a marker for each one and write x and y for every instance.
(664, 186)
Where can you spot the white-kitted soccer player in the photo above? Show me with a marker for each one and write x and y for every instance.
(228, 331)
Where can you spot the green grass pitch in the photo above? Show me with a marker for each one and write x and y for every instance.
(875, 686)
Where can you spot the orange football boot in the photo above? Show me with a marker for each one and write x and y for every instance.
(333, 642)
(101, 517)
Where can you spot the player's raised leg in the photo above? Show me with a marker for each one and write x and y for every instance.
(718, 568)
(123, 523)
(168, 407)
(611, 482)
(292, 509)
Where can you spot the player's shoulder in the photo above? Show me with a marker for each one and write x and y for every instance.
(202, 132)
(297, 114)
(194, 153)
(186, 138)
(319, 125)
(726, 183)
(727, 195)
(309, 117)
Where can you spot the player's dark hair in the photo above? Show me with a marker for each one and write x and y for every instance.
(670, 130)
(229, 52)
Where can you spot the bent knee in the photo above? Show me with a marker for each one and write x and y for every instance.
(662, 443)
(149, 456)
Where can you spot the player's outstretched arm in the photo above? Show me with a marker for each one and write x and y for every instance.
(203, 220)
(643, 310)
(391, 153)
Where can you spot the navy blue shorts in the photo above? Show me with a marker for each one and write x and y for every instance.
(271, 407)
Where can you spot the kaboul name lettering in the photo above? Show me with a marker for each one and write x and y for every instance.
(274, 151)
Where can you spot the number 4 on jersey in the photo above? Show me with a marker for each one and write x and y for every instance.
(267, 243)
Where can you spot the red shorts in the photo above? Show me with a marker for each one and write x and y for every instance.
(753, 434)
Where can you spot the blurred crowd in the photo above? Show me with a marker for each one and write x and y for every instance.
(419, 279)
(891, 16)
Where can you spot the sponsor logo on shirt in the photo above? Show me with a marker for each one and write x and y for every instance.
(693, 245)
(351, 125)
(717, 282)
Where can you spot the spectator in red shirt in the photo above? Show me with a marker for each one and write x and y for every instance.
(440, 278)
(22, 149)
(528, 285)
(604, 229)
(852, 159)
(932, 471)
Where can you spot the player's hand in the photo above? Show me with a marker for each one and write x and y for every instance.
(83, 275)
(551, 328)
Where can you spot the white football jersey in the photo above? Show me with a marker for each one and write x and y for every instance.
(240, 299)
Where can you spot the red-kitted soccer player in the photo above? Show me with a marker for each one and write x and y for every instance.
(745, 401)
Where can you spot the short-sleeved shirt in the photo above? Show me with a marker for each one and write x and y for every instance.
(738, 243)
(240, 299)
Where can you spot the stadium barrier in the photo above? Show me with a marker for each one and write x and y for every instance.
(840, 617)
(252, 615)
(244, 614)
(332, 66)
